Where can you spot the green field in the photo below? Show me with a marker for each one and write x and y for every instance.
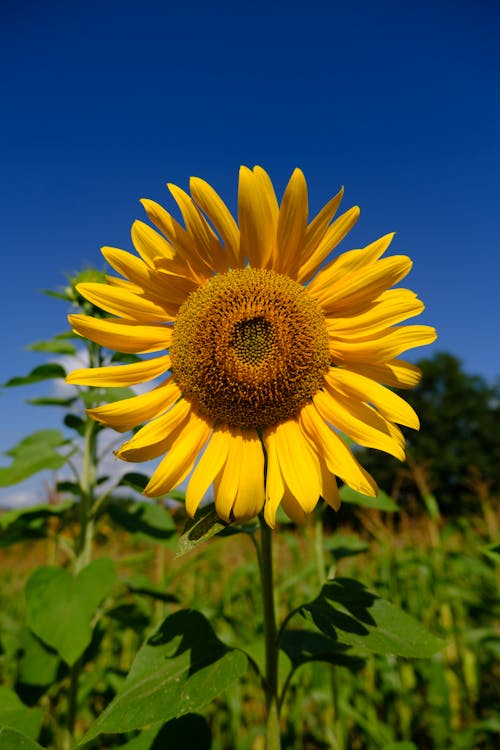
(440, 571)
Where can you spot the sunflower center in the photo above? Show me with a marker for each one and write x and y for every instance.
(249, 348)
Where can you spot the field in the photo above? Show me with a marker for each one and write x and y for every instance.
(441, 571)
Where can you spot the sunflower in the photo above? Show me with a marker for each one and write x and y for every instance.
(269, 351)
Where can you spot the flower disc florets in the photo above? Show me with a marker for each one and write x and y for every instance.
(249, 348)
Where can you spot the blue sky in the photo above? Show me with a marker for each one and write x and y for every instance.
(104, 101)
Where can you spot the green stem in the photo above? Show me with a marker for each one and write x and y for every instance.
(271, 679)
(84, 542)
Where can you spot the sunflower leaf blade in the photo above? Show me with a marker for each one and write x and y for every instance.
(351, 614)
(178, 670)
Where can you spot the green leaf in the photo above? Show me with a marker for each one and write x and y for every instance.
(381, 502)
(347, 612)
(15, 715)
(191, 730)
(42, 372)
(142, 585)
(302, 646)
(33, 513)
(199, 529)
(66, 402)
(38, 664)
(492, 551)
(61, 607)
(57, 345)
(400, 746)
(12, 740)
(125, 359)
(75, 423)
(33, 454)
(179, 669)
(22, 524)
(92, 396)
(149, 519)
(345, 545)
(135, 480)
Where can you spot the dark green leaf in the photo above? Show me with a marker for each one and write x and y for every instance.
(305, 645)
(125, 359)
(199, 529)
(12, 740)
(15, 715)
(381, 502)
(147, 518)
(139, 585)
(135, 480)
(347, 612)
(60, 606)
(75, 423)
(33, 454)
(400, 746)
(179, 669)
(22, 524)
(32, 513)
(42, 372)
(189, 731)
(66, 402)
(345, 545)
(57, 345)
(39, 664)
(492, 551)
(93, 396)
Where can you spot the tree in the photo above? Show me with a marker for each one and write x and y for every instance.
(459, 438)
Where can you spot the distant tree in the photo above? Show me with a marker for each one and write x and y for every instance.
(458, 444)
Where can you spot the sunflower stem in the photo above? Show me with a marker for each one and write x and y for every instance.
(271, 641)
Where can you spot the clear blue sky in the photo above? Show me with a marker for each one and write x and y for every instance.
(104, 101)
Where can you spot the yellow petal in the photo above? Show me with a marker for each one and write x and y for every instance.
(203, 236)
(316, 230)
(129, 412)
(392, 307)
(250, 494)
(350, 262)
(120, 375)
(128, 286)
(181, 457)
(257, 229)
(336, 454)
(157, 436)
(180, 240)
(120, 302)
(226, 483)
(122, 336)
(333, 236)
(357, 421)
(381, 347)
(219, 214)
(209, 465)
(389, 404)
(275, 487)
(292, 224)
(298, 464)
(364, 285)
(396, 373)
(329, 489)
(128, 265)
(149, 244)
(292, 508)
